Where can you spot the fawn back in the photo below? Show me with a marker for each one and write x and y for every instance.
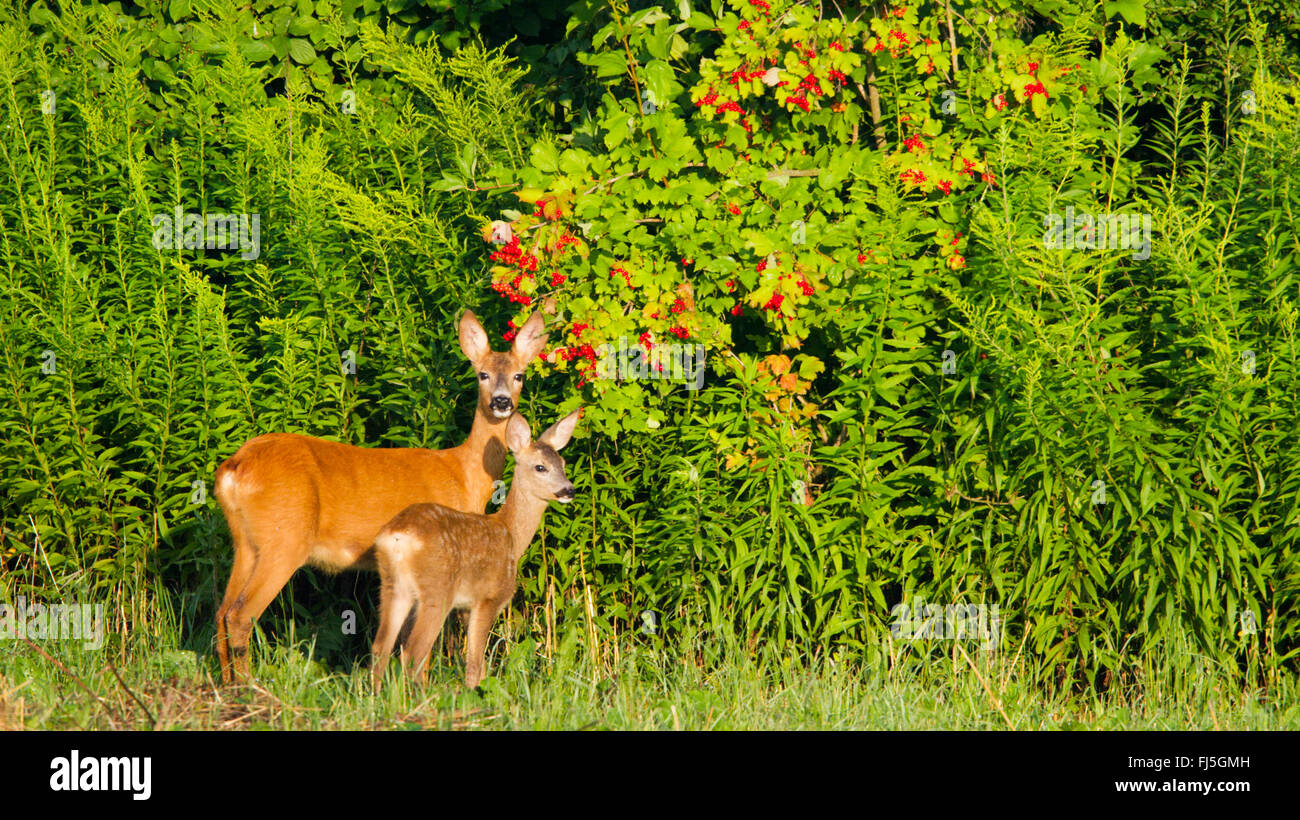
(437, 559)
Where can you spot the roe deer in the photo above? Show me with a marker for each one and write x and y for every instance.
(439, 559)
(292, 500)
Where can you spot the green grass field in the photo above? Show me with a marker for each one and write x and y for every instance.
(648, 687)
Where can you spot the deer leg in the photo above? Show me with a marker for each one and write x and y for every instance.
(394, 605)
(428, 624)
(240, 574)
(276, 564)
(480, 625)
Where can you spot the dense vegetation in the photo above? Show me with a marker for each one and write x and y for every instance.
(912, 393)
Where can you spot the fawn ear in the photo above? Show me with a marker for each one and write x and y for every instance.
(559, 433)
(531, 338)
(518, 436)
(473, 338)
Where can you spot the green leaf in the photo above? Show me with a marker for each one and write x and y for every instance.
(301, 51)
(660, 81)
(1134, 11)
(256, 51)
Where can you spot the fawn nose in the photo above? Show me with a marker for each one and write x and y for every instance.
(565, 494)
(501, 405)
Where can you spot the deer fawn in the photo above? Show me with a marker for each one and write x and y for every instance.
(293, 500)
(439, 559)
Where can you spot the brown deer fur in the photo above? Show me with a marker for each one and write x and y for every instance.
(437, 559)
(293, 500)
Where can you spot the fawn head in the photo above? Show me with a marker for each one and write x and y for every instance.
(500, 375)
(539, 470)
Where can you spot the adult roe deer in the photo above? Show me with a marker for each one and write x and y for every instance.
(292, 500)
(438, 559)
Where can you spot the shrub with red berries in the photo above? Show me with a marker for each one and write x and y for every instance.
(747, 189)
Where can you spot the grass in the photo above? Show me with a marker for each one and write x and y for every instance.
(706, 687)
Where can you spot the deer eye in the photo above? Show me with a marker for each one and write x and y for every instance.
(482, 376)
(519, 377)
(541, 468)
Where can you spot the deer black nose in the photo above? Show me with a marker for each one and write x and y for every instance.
(565, 493)
(501, 403)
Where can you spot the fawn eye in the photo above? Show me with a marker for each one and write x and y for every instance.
(541, 468)
(482, 377)
(519, 377)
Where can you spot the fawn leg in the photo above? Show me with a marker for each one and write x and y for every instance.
(394, 605)
(480, 624)
(428, 623)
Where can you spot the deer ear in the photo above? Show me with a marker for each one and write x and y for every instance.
(531, 338)
(518, 436)
(559, 433)
(473, 338)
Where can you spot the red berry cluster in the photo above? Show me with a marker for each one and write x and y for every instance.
(679, 332)
(513, 254)
(895, 49)
(1034, 88)
(808, 52)
(913, 176)
(711, 98)
(586, 353)
(914, 144)
(583, 351)
(741, 75)
(956, 261)
(618, 270)
(565, 241)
